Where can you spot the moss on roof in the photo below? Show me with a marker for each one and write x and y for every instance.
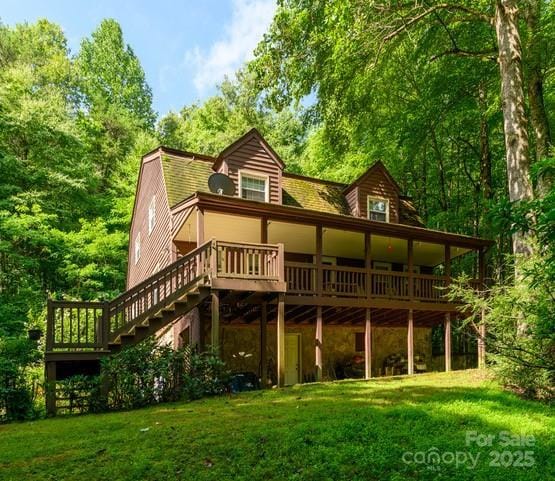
(184, 177)
(313, 195)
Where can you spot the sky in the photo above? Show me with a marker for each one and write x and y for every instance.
(185, 47)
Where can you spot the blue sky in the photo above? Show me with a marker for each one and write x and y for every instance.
(186, 47)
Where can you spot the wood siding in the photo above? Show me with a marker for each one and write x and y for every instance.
(377, 184)
(155, 248)
(252, 156)
(352, 200)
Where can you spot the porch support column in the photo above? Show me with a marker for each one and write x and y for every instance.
(447, 339)
(319, 332)
(50, 395)
(410, 266)
(281, 340)
(367, 345)
(264, 230)
(263, 350)
(368, 263)
(319, 270)
(200, 227)
(410, 342)
(215, 331)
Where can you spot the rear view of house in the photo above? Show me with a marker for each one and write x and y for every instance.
(293, 278)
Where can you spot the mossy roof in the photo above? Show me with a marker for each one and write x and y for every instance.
(184, 177)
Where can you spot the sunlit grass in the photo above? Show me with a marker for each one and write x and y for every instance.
(343, 430)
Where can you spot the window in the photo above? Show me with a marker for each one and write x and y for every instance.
(378, 209)
(137, 247)
(152, 215)
(253, 187)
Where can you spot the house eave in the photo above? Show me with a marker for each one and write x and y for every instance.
(238, 206)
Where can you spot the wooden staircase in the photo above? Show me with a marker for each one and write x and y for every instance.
(78, 330)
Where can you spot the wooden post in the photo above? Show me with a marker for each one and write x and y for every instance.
(368, 345)
(319, 269)
(215, 330)
(50, 395)
(447, 264)
(481, 268)
(410, 342)
(200, 227)
(447, 339)
(281, 340)
(264, 230)
(263, 350)
(410, 267)
(482, 343)
(319, 332)
(368, 263)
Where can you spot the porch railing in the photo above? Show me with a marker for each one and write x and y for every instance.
(90, 326)
(341, 281)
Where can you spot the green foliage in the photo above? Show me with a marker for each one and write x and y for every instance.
(18, 385)
(145, 374)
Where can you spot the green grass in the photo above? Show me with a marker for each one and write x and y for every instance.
(344, 430)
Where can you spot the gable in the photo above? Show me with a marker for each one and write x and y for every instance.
(252, 154)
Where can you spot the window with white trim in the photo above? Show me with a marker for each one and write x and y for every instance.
(152, 215)
(137, 247)
(253, 187)
(378, 209)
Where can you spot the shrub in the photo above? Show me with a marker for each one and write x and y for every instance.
(146, 374)
(18, 385)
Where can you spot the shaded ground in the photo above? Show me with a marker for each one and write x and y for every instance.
(344, 430)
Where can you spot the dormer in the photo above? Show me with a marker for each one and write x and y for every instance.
(374, 195)
(254, 167)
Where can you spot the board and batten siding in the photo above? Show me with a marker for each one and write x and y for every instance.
(253, 157)
(156, 246)
(376, 184)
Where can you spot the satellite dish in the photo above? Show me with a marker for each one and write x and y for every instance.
(221, 184)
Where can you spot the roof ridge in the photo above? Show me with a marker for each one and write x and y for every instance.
(315, 179)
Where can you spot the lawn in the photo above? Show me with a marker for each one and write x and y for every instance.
(357, 430)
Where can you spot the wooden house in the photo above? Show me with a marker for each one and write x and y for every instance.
(293, 278)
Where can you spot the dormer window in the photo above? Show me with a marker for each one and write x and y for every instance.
(378, 209)
(253, 186)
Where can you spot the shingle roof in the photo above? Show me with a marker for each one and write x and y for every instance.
(313, 195)
(184, 177)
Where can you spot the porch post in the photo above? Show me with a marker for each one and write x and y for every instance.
(319, 332)
(281, 340)
(410, 267)
(50, 395)
(200, 227)
(215, 331)
(368, 345)
(263, 351)
(447, 339)
(368, 263)
(264, 230)
(448, 263)
(410, 342)
(319, 270)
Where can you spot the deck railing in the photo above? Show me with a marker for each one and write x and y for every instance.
(89, 326)
(341, 281)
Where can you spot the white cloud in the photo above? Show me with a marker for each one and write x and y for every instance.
(249, 21)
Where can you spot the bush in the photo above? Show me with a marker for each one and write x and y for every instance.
(18, 385)
(145, 374)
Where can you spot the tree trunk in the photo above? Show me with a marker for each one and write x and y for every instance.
(514, 114)
(538, 115)
(485, 152)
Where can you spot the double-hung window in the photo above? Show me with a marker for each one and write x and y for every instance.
(378, 209)
(137, 247)
(253, 187)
